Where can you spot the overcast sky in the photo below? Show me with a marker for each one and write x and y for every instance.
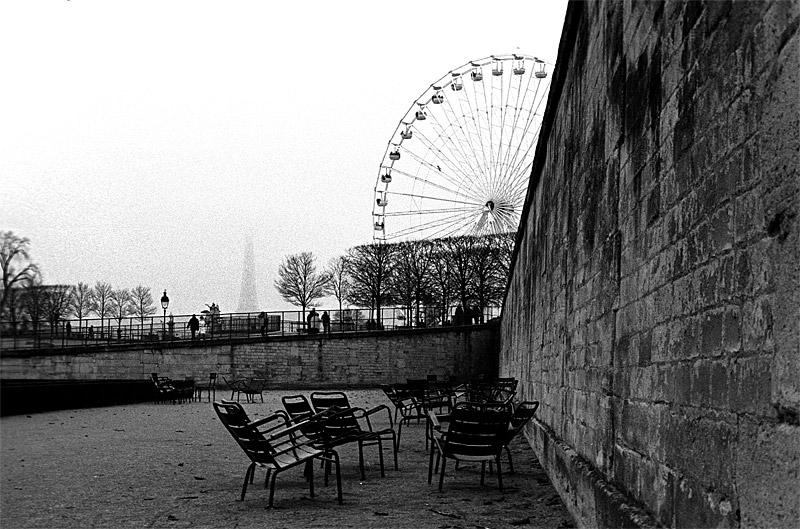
(143, 142)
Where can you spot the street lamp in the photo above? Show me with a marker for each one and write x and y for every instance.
(164, 305)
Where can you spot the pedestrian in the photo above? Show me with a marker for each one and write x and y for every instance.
(476, 314)
(91, 332)
(458, 318)
(69, 330)
(326, 322)
(313, 321)
(262, 319)
(194, 325)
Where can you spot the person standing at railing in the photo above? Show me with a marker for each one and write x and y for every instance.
(326, 322)
(194, 325)
(313, 321)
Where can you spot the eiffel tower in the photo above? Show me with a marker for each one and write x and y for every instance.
(248, 296)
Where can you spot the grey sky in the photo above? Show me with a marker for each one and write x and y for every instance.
(143, 142)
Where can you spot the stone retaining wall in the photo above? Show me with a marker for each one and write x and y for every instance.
(340, 360)
(654, 302)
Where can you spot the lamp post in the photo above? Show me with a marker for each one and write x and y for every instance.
(164, 305)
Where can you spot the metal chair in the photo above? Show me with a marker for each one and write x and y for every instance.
(210, 388)
(474, 434)
(273, 444)
(355, 424)
(523, 413)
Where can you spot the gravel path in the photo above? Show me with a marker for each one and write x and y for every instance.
(166, 465)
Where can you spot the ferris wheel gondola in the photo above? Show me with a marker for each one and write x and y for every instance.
(459, 160)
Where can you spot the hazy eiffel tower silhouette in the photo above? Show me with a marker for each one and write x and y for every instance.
(248, 297)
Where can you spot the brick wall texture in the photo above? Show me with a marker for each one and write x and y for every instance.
(363, 360)
(654, 306)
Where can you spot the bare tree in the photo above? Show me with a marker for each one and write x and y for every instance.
(339, 283)
(17, 269)
(56, 299)
(142, 304)
(33, 301)
(298, 281)
(101, 302)
(411, 277)
(120, 306)
(488, 273)
(459, 256)
(369, 268)
(80, 302)
(442, 280)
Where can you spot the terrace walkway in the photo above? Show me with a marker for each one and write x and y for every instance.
(148, 465)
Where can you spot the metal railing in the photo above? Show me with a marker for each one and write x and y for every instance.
(90, 332)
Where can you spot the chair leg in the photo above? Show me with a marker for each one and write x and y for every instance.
(272, 489)
(441, 474)
(483, 471)
(510, 463)
(250, 471)
(380, 455)
(338, 477)
(499, 474)
(310, 468)
(430, 466)
(399, 432)
(395, 453)
(361, 459)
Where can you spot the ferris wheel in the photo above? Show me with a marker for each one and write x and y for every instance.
(459, 160)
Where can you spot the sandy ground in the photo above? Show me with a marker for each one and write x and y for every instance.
(175, 465)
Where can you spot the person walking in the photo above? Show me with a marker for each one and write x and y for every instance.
(194, 325)
(326, 322)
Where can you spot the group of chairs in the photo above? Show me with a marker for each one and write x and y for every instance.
(480, 416)
(470, 422)
(304, 431)
(247, 387)
(167, 389)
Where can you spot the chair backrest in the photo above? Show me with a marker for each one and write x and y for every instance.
(299, 409)
(233, 384)
(322, 400)
(340, 424)
(212, 379)
(476, 434)
(522, 414)
(256, 384)
(249, 438)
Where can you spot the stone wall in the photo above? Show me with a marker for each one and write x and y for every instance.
(654, 306)
(346, 360)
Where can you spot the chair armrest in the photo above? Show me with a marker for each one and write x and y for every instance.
(378, 408)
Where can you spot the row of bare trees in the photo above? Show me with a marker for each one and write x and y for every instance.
(26, 300)
(469, 271)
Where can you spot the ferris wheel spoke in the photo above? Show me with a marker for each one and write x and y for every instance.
(451, 192)
(428, 212)
(449, 138)
(465, 134)
(436, 226)
(457, 172)
(439, 199)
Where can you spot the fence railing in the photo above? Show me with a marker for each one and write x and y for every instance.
(110, 331)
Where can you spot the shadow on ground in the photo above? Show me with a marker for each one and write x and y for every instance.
(148, 465)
